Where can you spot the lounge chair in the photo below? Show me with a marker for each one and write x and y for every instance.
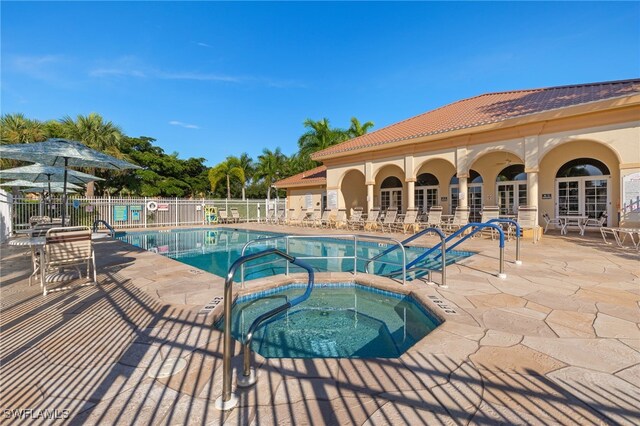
(620, 235)
(325, 219)
(489, 213)
(340, 220)
(270, 217)
(408, 222)
(311, 218)
(223, 216)
(434, 217)
(460, 219)
(548, 221)
(296, 219)
(355, 221)
(372, 220)
(527, 218)
(389, 219)
(235, 215)
(67, 247)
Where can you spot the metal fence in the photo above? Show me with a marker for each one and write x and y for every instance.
(141, 212)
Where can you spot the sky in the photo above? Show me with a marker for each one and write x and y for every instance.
(209, 79)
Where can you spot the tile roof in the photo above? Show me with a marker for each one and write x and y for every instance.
(317, 176)
(485, 109)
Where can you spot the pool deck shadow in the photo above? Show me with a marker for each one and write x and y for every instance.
(557, 342)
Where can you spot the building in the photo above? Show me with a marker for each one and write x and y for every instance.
(568, 150)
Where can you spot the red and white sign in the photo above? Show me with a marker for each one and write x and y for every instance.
(163, 207)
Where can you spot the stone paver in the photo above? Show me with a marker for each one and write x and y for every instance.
(557, 342)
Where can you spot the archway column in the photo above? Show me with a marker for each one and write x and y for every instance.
(463, 191)
(532, 190)
(370, 186)
(411, 196)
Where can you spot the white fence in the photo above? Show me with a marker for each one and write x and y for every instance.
(142, 212)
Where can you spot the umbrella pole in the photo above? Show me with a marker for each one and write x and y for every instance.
(64, 192)
(49, 196)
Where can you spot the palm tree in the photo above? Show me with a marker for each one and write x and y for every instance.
(357, 129)
(319, 136)
(245, 163)
(94, 132)
(271, 165)
(226, 170)
(16, 128)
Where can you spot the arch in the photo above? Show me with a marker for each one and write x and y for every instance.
(388, 170)
(348, 171)
(427, 179)
(586, 144)
(391, 182)
(512, 172)
(494, 154)
(434, 166)
(353, 189)
(583, 167)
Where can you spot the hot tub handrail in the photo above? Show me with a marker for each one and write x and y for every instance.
(227, 400)
(355, 237)
(106, 225)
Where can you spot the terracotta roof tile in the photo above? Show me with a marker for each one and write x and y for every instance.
(485, 109)
(317, 176)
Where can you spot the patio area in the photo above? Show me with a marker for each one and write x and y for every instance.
(558, 341)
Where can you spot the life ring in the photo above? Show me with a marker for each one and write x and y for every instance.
(152, 206)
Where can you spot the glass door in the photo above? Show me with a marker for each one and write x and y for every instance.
(595, 197)
(568, 197)
(426, 197)
(511, 195)
(583, 196)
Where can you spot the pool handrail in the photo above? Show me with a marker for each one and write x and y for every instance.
(106, 225)
(228, 401)
(355, 237)
(518, 234)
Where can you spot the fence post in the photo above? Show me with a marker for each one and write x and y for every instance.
(247, 200)
(144, 211)
(202, 211)
(177, 208)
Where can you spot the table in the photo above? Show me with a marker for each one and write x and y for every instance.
(573, 220)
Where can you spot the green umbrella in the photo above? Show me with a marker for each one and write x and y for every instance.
(62, 152)
(56, 187)
(42, 185)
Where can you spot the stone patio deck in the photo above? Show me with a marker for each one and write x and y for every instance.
(557, 342)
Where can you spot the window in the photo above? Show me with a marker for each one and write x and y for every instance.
(426, 192)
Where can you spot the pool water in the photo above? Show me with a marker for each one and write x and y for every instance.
(344, 320)
(214, 250)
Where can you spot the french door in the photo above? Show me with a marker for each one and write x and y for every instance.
(426, 197)
(583, 196)
(391, 198)
(511, 195)
(474, 200)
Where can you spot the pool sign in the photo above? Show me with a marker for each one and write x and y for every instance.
(163, 207)
(135, 212)
(119, 213)
(546, 196)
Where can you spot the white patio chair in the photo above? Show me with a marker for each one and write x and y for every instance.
(594, 223)
(355, 221)
(389, 219)
(408, 222)
(489, 213)
(372, 219)
(340, 220)
(527, 218)
(325, 219)
(235, 215)
(548, 221)
(460, 219)
(67, 247)
(434, 217)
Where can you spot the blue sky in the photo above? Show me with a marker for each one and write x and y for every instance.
(216, 79)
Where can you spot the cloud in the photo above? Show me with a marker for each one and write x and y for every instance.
(185, 125)
(203, 44)
(39, 67)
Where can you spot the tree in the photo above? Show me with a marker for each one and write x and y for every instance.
(94, 132)
(245, 163)
(16, 128)
(225, 170)
(271, 165)
(319, 136)
(357, 129)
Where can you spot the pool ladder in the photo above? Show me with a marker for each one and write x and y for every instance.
(106, 225)
(228, 401)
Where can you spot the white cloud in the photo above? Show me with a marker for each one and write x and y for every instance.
(203, 44)
(185, 125)
(39, 67)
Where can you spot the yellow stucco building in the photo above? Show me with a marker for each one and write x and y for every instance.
(568, 150)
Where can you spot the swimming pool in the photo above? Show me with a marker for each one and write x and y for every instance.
(214, 250)
(344, 320)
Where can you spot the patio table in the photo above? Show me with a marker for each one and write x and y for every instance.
(572, 220)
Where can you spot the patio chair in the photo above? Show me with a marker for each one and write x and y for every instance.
(620, 235)
(389, 219)
(281, 218)
(595, 223)
(372, 219)
(409, 221)
(548, 221)
(296, 219)
(355, 221)
(340, 220)
(67, 247)
(34, 220)
(460, 219)
(235, 215)
(270, 217)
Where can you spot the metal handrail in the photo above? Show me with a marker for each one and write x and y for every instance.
(109, 227)
(355, 237)
(518, 230)
(227, 400)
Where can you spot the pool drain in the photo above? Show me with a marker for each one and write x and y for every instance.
(167, 368)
